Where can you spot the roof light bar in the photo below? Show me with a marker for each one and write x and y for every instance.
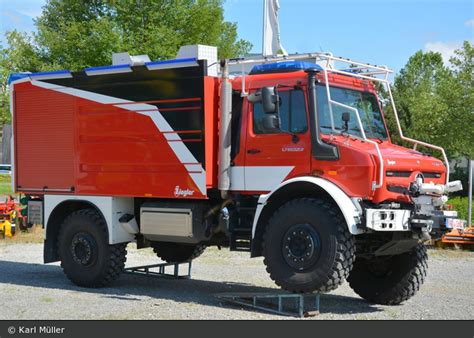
(282, 67)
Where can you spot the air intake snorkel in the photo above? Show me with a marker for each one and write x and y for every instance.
(321, 150)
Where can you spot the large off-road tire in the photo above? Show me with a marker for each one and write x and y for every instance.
(177, 252)
(390, 280)
(86, 257)
(307, 246)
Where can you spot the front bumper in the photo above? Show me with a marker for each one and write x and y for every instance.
(406, 220)
(388, 219)
(427, 215)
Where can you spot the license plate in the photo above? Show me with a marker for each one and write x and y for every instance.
(455, 223)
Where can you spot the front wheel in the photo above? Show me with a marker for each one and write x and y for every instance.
(390, 280)
(307, 246)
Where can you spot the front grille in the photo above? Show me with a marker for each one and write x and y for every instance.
(398, 173)
(432, 175)
(392, 173)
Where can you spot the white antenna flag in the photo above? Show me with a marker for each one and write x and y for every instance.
(271, 31)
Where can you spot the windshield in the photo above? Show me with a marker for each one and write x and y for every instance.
(365, 102)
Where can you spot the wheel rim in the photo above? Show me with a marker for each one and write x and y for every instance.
(301, 246)
(84, 249)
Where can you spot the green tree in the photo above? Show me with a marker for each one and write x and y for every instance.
(78, 33)
(23, 57)
(435, 101)
(74, 34)
(459, 94)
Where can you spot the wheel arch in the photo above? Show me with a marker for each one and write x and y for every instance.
(54, 220)
(300, 187)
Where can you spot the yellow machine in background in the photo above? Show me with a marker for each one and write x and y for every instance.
(10, 216)
(7, 224)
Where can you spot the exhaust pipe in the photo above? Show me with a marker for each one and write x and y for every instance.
(225, 132)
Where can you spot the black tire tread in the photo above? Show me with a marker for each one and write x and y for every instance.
(345, 255)
(117, 252)
(168, 252)
(404, 289)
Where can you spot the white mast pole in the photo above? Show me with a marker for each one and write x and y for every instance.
(264, 30)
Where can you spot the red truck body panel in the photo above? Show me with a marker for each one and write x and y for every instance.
(45, 151)
(72, 138)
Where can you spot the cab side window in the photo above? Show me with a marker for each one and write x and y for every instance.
(292, 114)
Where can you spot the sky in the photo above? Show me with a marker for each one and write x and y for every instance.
(383, 32)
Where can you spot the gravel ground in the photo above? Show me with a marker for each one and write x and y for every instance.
(31, 290)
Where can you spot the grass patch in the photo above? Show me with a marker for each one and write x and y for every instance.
(5, 178)
(5, 184)
(5, 189)
(460, 205)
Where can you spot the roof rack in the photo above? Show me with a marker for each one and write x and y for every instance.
(327, 60)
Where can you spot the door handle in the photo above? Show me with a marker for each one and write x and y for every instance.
(253, 151)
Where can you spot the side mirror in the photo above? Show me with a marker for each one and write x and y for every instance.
(346, 117)
(271, 122)
(270, 100)
(255, 97)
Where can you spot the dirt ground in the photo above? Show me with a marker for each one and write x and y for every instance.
(31, 290)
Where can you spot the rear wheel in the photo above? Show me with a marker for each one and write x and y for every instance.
(307, 246)
(177, 252)
(390, 280)
(86, 257)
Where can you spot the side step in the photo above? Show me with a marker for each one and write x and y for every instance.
(287, 304)
(241, 227)
(240, 239)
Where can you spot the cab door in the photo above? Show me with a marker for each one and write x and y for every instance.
(271, 156)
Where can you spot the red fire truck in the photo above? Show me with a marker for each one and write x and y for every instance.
(290, 160)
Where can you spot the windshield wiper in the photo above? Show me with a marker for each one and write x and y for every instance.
(379, 139)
